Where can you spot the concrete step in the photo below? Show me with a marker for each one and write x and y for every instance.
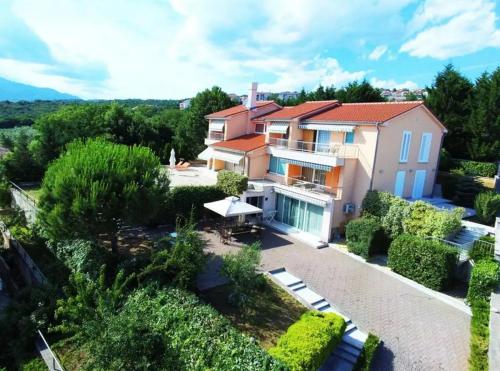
(322, 305)
(351, 326)
(349, 349)
(295, 284)
(335, 363)
(298, 287)
(345, 355)
(355, 338)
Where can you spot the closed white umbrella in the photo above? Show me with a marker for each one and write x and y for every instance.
(232, 206)
(172, 159)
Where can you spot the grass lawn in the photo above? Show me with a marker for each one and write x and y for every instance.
(268, 315)
(34, 193)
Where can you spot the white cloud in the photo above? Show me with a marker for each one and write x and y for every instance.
(392, 84)
(378, 52)
(326, 72)
(453, 29)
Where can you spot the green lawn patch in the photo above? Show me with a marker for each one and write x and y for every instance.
(34, 193)
(269, 313)
(366, 356)
(480, 336)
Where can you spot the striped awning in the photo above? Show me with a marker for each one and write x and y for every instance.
(326, 127)
(310, 165)
(216, 126)
(278, 127)
(227, 156)
(300, 196)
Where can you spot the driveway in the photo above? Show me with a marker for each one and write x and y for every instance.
(418, 331)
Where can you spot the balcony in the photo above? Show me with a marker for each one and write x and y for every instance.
(309, 186)
(213, 137)
(330, 149)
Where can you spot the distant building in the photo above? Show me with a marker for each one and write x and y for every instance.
(399, 95)
(185, 103)
(265, 96)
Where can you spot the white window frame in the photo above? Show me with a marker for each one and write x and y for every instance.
(404, 153)
(425, 148)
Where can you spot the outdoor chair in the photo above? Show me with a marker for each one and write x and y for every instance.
(183, 166)
(269, 217)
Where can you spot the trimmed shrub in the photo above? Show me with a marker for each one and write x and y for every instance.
(482, 249)
(231, 183)
(184, 200)
(476, 168)
(466, 190)
(425, 220)
(80, 256)
(365, 358)
(366, 237)
(376, 203)
(480, 335)
(309, 342)
(5, 195)
(425, 261)
(484, 278)
(392, 221)
(487, 206)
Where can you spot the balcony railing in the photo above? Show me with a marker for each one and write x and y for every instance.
(213, 135)
(327, 149)
(315, 187)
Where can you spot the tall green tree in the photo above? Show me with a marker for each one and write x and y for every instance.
(191, 132)
(449, 98)
(483, 126)
(359, 92)
(95, 186)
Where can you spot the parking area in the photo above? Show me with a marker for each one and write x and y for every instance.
(419, 332)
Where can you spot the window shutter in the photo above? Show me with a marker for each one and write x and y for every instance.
(425, 147)
(405, 146)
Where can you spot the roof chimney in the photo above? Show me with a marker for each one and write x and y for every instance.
(252, 96)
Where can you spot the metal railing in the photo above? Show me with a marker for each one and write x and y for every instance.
(213, 135)
(487, 248)
(47, 354)
(327, 149)
(315, 187)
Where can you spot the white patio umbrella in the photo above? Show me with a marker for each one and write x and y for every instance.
(172, 159)
(232, 206)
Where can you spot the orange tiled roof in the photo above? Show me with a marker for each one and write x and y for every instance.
(365, 112)
(236, 109)
(288, 113)
(245, 143)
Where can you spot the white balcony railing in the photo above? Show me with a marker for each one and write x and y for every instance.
(329, 149)
(307, 185)
(214, 135)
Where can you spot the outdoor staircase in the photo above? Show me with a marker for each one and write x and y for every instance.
(468, 235)
(346, 354)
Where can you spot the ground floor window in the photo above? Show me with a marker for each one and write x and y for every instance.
(299, 214)
(255, 201)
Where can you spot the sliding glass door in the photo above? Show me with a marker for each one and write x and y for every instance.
(299, 214)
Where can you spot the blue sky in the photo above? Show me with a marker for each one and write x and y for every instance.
(172, 49)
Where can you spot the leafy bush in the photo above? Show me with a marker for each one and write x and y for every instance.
(366, 237)
(425, 261)
(186, 200)
(376, 203)
(487, 206)
(392, 221)
(184, 335)
(179, 261)
(5, 195)
(482, 249)
(466, 190)
(241, 270)
(484, 278)
(80, 256)
(366, 356)
(480, 335)
(231, 183)
(36, 364)
(475, 168)
(425, 220)
(309, 342)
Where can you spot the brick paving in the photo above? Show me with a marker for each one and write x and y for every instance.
(418, 331)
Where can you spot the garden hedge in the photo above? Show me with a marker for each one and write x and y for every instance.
(480, 335)
(366, 237)
(484, 278)
(482, 249)
(309, 342)
(377, 203)
(365, 358)
(231, 183)
(425, 261)
(475, 168)
(181, 201)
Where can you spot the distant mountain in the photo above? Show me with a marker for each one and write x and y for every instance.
(14, 91)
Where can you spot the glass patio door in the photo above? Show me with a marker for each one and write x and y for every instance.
(299, 214)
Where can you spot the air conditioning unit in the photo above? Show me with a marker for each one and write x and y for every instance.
(348, 208)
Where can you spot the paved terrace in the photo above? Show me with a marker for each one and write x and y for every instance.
(194, 175)
(419, 332)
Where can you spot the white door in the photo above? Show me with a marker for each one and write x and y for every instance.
(418, 185)
(399, 186)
